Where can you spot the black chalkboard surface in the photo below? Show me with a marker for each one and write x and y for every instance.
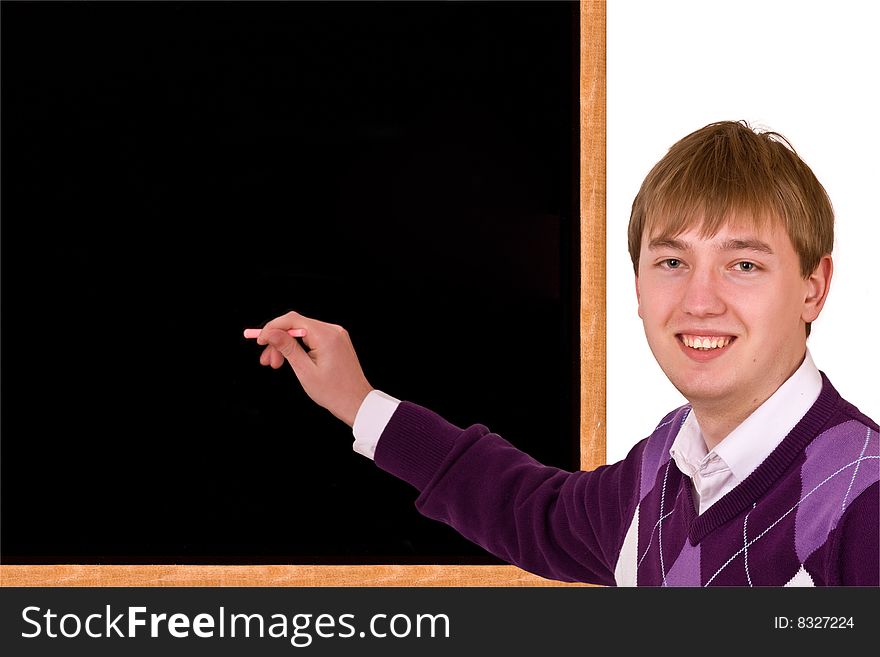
(175, 172)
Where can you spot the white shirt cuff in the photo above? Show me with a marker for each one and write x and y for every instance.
(371, 419)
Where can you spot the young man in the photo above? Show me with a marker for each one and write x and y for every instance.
(767, 477)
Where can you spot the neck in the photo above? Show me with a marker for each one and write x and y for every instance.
(718, 419)
(717, 424)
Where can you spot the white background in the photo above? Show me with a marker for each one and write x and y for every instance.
(808, 70)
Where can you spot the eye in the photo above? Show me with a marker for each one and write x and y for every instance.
(745, 265)
(671, 263)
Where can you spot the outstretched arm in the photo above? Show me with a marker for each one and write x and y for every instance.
(561, 525)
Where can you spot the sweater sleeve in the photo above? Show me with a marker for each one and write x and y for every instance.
(556, 524)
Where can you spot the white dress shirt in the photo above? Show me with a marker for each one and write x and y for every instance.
(717, 472)
(714, 473)
(371, 419)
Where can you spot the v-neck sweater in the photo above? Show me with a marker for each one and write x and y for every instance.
(807, 515)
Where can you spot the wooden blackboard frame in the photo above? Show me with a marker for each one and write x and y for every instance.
(592, 401)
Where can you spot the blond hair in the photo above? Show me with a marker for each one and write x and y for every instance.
(727, 171)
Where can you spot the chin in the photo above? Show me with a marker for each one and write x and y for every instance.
(695, 390)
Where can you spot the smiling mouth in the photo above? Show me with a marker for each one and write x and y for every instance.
(705, 342)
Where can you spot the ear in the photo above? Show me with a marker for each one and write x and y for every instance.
(638, 296)
(817, 285)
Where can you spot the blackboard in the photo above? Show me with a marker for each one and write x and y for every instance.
(173, 173)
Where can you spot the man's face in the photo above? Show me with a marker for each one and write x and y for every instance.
(725, 316)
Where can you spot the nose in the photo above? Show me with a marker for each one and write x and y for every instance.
(702, 294)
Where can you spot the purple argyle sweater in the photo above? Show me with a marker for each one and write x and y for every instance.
(808, 515)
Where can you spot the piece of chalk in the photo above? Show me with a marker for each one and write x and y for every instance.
(255, 333)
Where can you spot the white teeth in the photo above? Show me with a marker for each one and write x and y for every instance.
(705, 343)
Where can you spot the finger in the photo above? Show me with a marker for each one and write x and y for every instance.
(289, 348)
(291, 320)
(276, 360)
(266, 355)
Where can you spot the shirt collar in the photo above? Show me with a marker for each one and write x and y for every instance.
(744, 448)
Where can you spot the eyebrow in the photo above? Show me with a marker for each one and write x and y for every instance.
(747, 244)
